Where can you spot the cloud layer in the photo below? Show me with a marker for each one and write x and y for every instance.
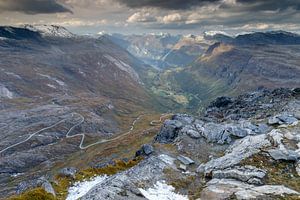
(33, 6)
(166, 4)
(174, 16)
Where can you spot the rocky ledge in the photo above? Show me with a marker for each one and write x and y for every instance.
(247, 147)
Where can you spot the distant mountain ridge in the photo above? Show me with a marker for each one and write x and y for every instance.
(50, 30)
(18, 33)
(167, 51)
(270, 37)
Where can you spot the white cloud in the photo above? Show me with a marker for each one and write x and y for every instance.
(141, 17)
(79, 22)
(171, 18)
(258, 26)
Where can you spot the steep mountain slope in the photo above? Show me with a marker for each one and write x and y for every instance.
(232, 67)
(185, 51)
(53, 86)
(150, 48)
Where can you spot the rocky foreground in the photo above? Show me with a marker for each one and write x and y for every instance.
(246, 147)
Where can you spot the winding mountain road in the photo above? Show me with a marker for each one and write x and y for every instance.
(82, 119)
(33, 134)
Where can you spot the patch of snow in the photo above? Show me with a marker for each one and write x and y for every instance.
(102, 33)
(162, 191)
(5, 93)
(81, 72)
(213, 33)
(13, 74)
(79, 189)
(244, 33)
(52, 86)
(59, 82)
(17, 174)
(50, 30)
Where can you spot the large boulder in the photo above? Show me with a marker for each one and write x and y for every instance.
(283, 118)
(284, 154)
(68, 172)
(145, 150)
(183, 118)
(221, 102)
(216, 133)
(34, 183)
(190, 131)
(169, 131)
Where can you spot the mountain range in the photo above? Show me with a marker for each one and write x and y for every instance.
(91, 102)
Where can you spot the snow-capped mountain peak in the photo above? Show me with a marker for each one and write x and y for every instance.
(50, 30)
(213, 33)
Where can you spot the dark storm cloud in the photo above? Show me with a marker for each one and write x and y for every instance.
(33, 6)
(166, 4)
(271, 4)
(189, 4)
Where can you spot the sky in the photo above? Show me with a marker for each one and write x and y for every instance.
(155, 16)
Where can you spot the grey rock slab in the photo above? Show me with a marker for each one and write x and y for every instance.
(221, 189)
(287, 119)
(185, 160)
(183, 118)
(265, 190)
(237, 131)
(190, 131)
(238, 151)
(216, 133)
(284, 154)
(149, 171)
(243, 173)
(274, 120)
(283, 118)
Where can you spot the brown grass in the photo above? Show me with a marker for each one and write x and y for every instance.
(34, 194)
